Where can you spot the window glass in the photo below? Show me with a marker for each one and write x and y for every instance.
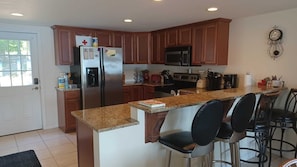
(15, 63)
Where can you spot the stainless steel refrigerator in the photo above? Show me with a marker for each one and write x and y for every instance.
(98, 72)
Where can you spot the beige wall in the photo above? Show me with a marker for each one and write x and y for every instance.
(248, 48)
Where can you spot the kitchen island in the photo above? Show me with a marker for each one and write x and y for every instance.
(107, 138)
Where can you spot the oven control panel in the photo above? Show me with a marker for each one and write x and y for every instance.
(186, 77)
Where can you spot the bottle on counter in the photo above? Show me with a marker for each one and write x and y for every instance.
(61, 81)
(66, 85)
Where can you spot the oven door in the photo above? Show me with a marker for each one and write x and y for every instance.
(165, 91)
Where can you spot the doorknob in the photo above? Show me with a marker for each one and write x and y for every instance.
(35, 88)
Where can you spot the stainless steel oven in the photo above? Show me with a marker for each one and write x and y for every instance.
(180, 81)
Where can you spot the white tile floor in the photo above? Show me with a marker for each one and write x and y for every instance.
(55, 148)
(52, 147)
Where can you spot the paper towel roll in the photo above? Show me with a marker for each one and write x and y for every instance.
(248, 80)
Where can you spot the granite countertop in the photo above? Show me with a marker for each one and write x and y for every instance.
(117, 116)
(106, 118)
(201, 97)
(146, 84)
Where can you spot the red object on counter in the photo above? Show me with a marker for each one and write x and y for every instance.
(156, 78)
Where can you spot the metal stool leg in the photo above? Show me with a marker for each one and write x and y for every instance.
(168, 158)
(235, 156)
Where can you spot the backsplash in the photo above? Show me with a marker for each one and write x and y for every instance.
(130, 69)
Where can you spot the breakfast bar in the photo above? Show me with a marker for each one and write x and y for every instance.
(125, 135)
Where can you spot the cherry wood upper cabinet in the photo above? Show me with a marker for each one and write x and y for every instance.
(104, 38)
(185, 35)
(142, 43)
(64, 42)
(158, 47)
(136, 48)
(117, 39)
(171, 37)
(179, 36)
(210, 42)
(127, 45)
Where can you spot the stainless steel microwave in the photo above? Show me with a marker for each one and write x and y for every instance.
(178, 56)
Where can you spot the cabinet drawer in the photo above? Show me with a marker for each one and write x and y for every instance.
(72, 94)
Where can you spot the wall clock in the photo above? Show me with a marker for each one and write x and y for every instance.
(275, 43)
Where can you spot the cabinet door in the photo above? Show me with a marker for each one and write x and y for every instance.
(127, 94)
(158, 47)
(210, 44)
(71, 105)
(185, 36)
(104, 38)
(148, 92)
(64, 42)
(172, 37)
(136, 93)
(142, 47)
(128, 52)
(117, 39)
(197, 45)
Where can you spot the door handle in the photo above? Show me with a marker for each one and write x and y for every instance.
(35, 88)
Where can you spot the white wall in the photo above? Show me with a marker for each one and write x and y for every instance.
(48, 72)
(248, 46)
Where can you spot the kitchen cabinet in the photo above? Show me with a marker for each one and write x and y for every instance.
(142, 43)
(138, 92)
(210, 42)
(148, 92)
(128, 55)
(104, 37)
(136, 48)
(117, 39)
(158, 47)
(133, 93)
(63, 42)
(67, 101)
(179, 36)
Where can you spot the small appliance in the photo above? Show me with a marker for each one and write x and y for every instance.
(178, 56)
(230, 81)
(213, 81)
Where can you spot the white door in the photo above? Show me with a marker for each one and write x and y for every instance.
(20, 108)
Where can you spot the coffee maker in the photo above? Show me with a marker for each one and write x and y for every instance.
(230, 81)
(213, 81)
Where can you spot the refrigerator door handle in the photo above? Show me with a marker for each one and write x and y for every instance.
(102, 71)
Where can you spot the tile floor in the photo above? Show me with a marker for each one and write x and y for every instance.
(55, 148)
(52, 147)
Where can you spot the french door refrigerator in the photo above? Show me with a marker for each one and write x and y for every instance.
(98, 73)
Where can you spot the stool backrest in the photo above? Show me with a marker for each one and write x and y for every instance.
(242, 112)
(291, 101)
(262, 111)
(206, 122)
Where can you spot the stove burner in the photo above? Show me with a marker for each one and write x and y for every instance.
(180, 81)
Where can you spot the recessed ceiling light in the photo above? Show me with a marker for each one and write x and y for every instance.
(17, 14)
(212, 9)
(157, 0)
(128, 20)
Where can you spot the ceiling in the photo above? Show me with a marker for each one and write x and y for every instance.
(147, 15)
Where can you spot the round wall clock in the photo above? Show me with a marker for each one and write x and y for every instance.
(275, 34)
(275, 41)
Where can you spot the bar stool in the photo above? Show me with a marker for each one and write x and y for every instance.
(259, 126)
(285, 119)
(289, 163)
(235, 130)
(199, 141)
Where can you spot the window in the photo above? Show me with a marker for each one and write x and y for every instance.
(15, 63)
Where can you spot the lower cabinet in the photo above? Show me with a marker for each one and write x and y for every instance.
(138, 92)
(67, 101)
